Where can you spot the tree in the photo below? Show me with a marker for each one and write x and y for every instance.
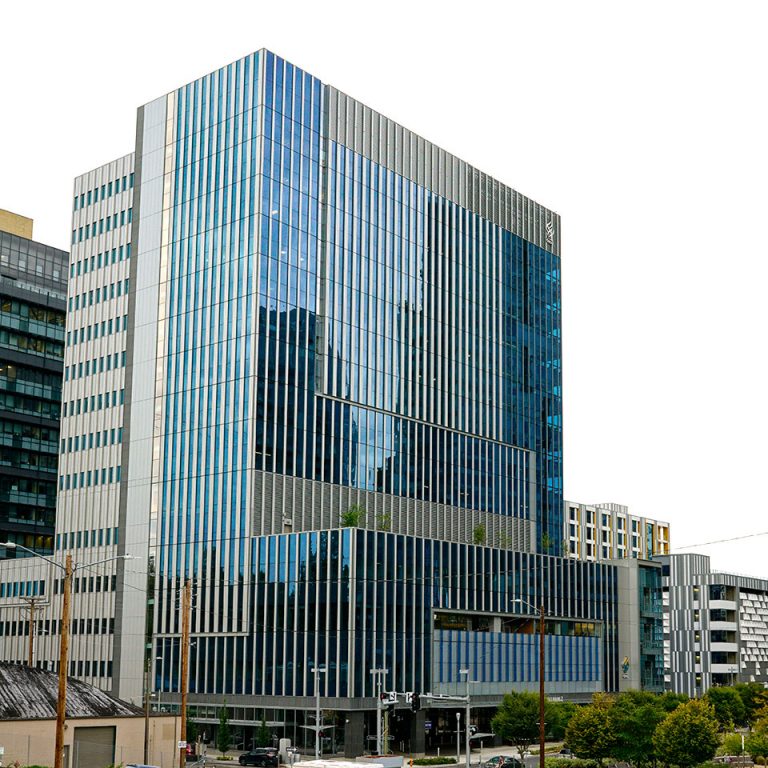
(754, 697)
(590, 731)
(757, 743)
(517, 719)
(223, 737)
(557, 715)
(728, 705)
(634, 718)
(192, 730)
(263, 735)
(352, 517)
(688, 736)
(478, 534)
(671, 701)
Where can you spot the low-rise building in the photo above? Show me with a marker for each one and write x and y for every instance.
(715, 626)
(100, 729)
(599, 532)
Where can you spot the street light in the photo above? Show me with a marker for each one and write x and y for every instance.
(317, 671)
(466, 718)
(542, 612)
(69, 569)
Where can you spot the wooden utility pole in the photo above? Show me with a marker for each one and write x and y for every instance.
(30, 601)
(61, 701)
(184, 650)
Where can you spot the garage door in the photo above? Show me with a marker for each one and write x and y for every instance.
(93, 747)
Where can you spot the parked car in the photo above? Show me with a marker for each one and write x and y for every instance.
(265, 757)
(502, 761)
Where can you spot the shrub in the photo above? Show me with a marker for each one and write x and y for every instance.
(435, 761)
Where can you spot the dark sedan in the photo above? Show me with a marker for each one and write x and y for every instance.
(261, 756)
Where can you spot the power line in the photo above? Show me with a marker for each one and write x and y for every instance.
(723, 541)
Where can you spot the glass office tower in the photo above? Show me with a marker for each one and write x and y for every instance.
(336, 325)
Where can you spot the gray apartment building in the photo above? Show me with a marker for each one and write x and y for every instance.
(715, 626)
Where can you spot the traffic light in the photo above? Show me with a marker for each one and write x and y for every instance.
(415, 702)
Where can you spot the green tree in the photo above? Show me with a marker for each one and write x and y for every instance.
(590, 731)
(634, 718)
(223, 736)
(263, 735)
(478, 534)
(671, 701)
(352, 517)
(728, 705)
(557, 715)
(517, 719)
(756, 743)
(688, 735)
(754, 697)
(731, 744)
(191, 730)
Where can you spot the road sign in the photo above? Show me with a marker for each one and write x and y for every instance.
(182, 745)
(409, 697)
(427, 725)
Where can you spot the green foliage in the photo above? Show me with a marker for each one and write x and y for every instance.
(688, 736)
(191, 730)
(755, 698)
(478, 534)
(517, 719)
(567, 762)
(760, 760)
(352, 517)
(728, 705)
(590, 732)
(546, 542)
(557, 716)
(263, 735)
(756, 743)
(671, 701)
(223, 736)
(435, 761)
(731, 745)
(634, 717)
(384, 521)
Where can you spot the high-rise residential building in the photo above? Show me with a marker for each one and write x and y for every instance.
(314, 370)
(715, 626)
(599, 532)
(33, 283)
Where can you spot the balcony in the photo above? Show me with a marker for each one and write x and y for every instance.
(729, 626)
(724, 647)
(726, 605)
(724, 669)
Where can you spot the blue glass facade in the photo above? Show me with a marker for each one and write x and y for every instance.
(323, 317)
(353, 600)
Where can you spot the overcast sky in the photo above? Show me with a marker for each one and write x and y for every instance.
(643, 124)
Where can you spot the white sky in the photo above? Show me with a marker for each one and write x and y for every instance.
(643, 124)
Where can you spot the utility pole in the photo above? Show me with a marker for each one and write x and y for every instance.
(61, 701)
(185, 615)
(30, 601)
(378, 673)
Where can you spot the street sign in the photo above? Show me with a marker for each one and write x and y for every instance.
(427, 725)
(389, 697)
(409, 697)
(182, 745)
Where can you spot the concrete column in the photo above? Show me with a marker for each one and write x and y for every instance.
(354, 734)
(418, 742)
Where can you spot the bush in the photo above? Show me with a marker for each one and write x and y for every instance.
(569, 762)
(435, 761)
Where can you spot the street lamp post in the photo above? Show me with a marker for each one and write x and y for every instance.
(542, 613)
(317, 671)
(466, 719)
(61, 700)
(458, 737)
